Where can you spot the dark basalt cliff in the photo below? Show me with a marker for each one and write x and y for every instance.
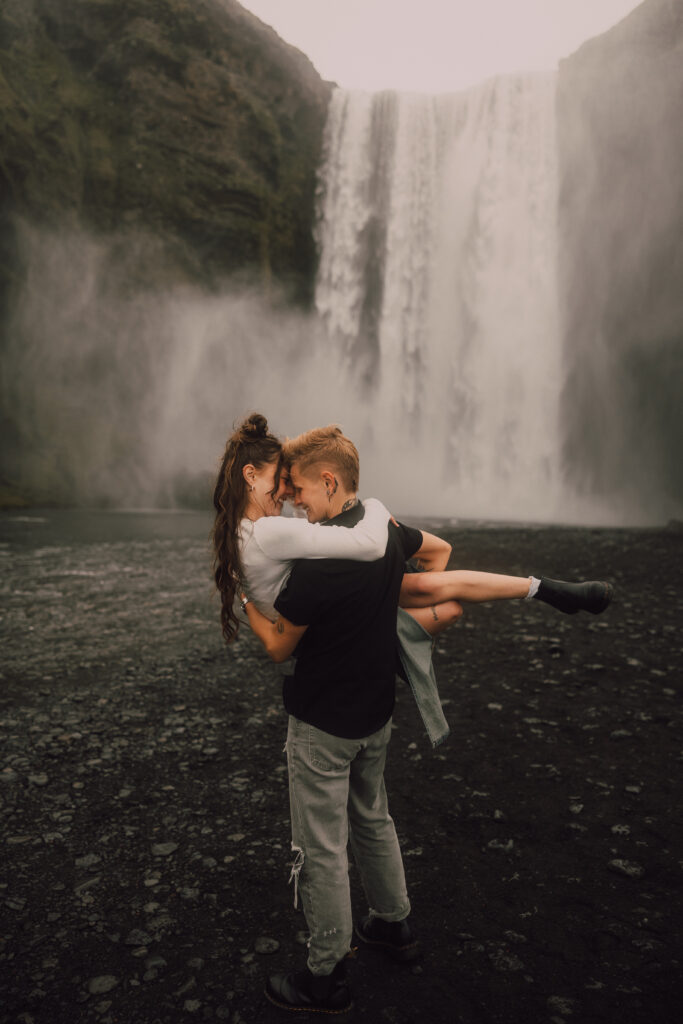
(188, 123)
(620, 113)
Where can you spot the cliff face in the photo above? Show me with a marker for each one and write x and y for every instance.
(186, 122)
(620, 111)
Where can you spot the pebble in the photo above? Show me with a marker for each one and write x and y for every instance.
(38, 780)
(154, 962)
(138, 938)
(89, 861)
(498, 844)
(559, 1004)
(265, 945)
(503, 961)
(627, 867)
(101, 984)
(164, 849)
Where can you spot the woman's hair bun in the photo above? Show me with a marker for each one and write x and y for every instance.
(254, 427)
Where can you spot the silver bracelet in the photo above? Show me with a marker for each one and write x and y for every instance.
(244, 602)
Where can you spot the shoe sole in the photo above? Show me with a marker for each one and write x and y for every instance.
(306, 1009)
(403, 954)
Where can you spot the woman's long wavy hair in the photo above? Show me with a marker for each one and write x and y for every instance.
(250, 443)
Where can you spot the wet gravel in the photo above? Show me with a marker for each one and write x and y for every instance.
(143, 797)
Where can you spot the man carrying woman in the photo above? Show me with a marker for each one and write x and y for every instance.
(340, 616)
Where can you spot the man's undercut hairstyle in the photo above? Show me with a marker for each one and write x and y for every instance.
(325, 446)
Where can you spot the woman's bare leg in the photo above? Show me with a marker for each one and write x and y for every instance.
(424, 589)
(437, 617)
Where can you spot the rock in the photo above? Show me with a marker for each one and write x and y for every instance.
(197, 123)
(15, 903)
(619, 97)
(504, 961)
(38, 780)
(79, 890)
(138, 938)
(626, 867)
(155, 962)
(89, 861)
(565, 1007)
(164, 849)
(507, 846)
(264, 945)
(101, 984)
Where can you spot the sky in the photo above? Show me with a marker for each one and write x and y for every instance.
(435, 45)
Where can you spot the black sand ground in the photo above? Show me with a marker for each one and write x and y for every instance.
(144, 807)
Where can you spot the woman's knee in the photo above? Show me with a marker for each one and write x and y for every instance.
(449, 611)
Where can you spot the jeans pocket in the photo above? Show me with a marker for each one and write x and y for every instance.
(328, 753)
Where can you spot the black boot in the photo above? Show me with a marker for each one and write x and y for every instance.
(393, 937)
(329, 993)
(571, 598)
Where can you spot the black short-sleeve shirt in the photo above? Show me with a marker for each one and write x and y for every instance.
(345, 671)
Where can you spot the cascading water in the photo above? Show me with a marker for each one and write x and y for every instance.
(437, 287)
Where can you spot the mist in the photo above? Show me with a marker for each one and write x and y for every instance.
(121, 397)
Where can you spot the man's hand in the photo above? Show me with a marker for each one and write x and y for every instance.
(279, 638)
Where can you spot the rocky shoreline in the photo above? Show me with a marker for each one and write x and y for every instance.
(144, 802)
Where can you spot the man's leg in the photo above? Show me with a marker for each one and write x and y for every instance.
(318, 786)
(377, 853)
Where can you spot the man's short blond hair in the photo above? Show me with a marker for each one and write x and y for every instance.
(325, 446)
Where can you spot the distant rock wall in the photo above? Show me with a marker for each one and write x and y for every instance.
(188, 124)
(620, 119)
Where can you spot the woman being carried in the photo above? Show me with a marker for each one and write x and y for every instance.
(254, 548)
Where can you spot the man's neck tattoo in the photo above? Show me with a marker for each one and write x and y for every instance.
(349, 504)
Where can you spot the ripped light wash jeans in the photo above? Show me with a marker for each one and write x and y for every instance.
(337, 794)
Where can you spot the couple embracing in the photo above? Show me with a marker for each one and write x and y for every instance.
(334, 591)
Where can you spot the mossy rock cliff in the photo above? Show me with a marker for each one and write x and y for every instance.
(188, 123)
(620, 110)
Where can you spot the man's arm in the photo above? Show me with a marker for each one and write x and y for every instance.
(279, 638)
(433, 554)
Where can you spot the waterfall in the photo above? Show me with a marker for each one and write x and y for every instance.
(437, 287)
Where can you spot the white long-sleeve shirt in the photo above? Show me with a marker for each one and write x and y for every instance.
(270, 545)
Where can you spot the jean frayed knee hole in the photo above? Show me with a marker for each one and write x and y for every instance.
(297, 865)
